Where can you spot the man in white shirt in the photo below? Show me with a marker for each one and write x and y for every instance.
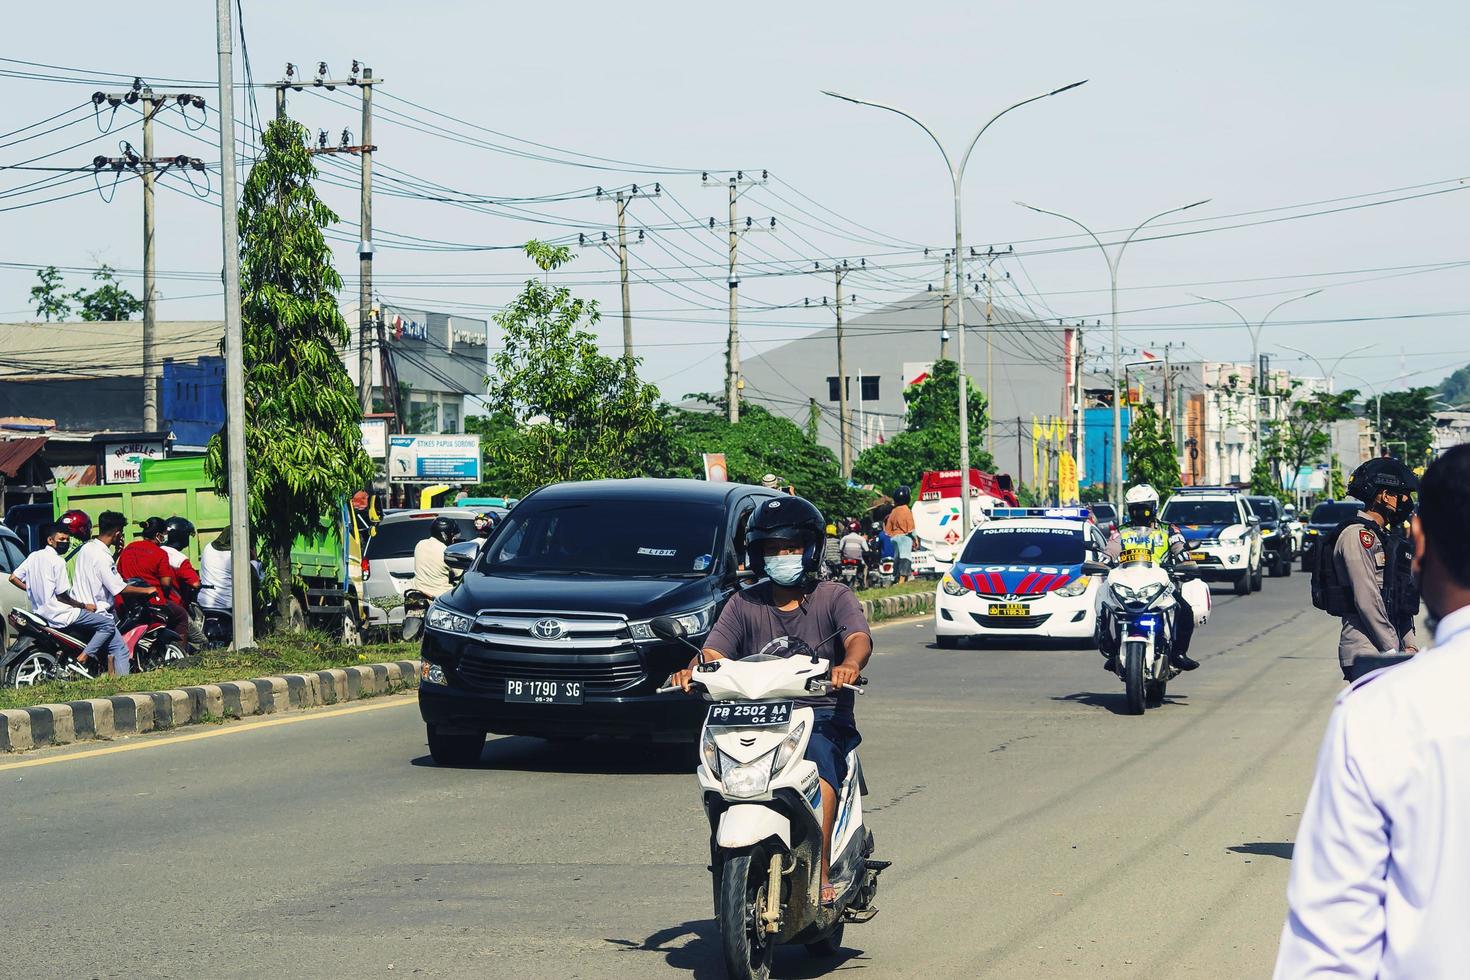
(43, 576)
(95, 580)
(1380, 878)
(430, 573)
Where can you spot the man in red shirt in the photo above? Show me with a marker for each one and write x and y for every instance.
(145, 559)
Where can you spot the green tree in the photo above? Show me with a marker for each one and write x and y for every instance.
(580, 415)
(930, 439)
(109, 301)
(1408, 417)
(1339, 482)
(301, 412)
(50, 299)
(1148, 452)
(1303, 435)
(1456, 388)
(1263, 480)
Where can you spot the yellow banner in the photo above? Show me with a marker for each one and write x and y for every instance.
(1067, 489)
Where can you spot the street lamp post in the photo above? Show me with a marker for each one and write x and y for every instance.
(1326, 374)
(1255, 332)
(957, 175)
(1113, 261)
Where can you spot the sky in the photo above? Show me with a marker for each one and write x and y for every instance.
(1271, 111)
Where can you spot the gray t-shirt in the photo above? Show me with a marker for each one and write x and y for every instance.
(750, 621)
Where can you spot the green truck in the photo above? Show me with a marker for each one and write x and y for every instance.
(324, 594)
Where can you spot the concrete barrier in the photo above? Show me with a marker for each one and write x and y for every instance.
(893, 606)
(134, 714)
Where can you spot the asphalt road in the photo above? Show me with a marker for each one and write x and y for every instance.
(1035, 831)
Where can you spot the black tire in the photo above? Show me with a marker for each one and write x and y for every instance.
(829, 945)
(412, 629)
(32, 665)
(351, 635)
(171, 654)
(947, 642)
(1286, 567)
(1243, 583)
(1153, 692)
(746, 946)
(1133, 681)
(295, 616)
(1274, 569)
(455, 749)
(1256, 578)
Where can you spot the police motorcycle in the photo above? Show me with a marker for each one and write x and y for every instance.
(1139, 601)
(763, 802)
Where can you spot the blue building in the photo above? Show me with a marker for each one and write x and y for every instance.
(193, 403)
(1098, 445)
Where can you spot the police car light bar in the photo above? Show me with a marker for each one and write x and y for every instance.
(1065, 513)
(1178, 490)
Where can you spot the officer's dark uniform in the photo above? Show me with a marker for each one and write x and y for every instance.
(1372, 564)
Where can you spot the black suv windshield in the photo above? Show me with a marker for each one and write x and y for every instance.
(609, 537)
(1265, 508)
(1335, 512)
(1194, 513)
(1002, 545)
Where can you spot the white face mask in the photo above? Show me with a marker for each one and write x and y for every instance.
(784, 569)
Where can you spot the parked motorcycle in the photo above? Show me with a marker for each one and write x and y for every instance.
(415, 608)
(853, 573)
(42, 652)
(763, 802)
(1138, 604)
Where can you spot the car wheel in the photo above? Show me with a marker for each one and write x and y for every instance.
(1286, 567)
(449, 747)
(947, 642)
(1256, 578)
(1243, 583)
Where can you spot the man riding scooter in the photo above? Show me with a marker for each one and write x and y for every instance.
(1142, 530)
(785, 538)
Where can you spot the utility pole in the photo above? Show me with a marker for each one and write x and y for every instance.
(148, 166)
(733, 382)
(944, 300)
(621, 197)
(989, 258)
(1079, 423)
(239, 486)
(844, 422)
(364, 151)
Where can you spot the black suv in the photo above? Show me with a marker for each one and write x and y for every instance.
(1277, 552)
(1325, 517)
(548, 633)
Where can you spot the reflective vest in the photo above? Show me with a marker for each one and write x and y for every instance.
(1153, 539)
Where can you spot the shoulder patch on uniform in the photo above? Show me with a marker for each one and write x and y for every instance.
(1367, 538)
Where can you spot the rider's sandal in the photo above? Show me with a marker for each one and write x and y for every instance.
(829, 902)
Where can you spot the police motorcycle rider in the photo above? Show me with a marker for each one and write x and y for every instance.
(784, 540)
(1141, 529)
(1367, 581)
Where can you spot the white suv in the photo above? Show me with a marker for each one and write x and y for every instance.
(1223, 536)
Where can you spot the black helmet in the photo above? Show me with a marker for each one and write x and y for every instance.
(789, 519)
(902, 496)
(178, 530)
(444, 529)
(485, 524)
(1384, 473)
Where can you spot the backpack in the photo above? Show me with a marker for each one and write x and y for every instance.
(1329, 593)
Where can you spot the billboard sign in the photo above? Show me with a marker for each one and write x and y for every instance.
(434, 459)
(122, 461)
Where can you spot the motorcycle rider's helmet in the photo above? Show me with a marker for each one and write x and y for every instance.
(485, 524)
(77, 524)
(902, 496)
(1142, 503)
(179, 531)
(787, 519)
(1385, 473)
(831, 530)
(444, 529)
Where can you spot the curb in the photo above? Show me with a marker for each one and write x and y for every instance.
(894, 606)
(134, 714)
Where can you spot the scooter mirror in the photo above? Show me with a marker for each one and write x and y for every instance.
(667, 628)
(1095, 568)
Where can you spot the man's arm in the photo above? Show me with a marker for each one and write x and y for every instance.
(1362, 578)
(17, 582)
(1335, 917)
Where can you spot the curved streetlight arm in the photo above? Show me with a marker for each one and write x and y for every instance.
(1161, 214)
(1089, 232)
(1310, 357)
(964, 161)
(1220, 302)
(953, 173)
(1285, 301)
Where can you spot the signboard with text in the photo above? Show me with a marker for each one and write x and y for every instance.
(122, 461)
(434, 459)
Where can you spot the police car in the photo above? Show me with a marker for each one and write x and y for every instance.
(1221, 533)
(1020, 574)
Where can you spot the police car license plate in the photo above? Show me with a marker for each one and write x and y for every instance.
(749, 714)
(1198, 556)
(543, 692)
(1015, 609)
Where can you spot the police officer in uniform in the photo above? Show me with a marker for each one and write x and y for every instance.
(1143, 530)
(1371, 558)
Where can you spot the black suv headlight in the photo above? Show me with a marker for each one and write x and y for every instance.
(696, 622)
(448, 620)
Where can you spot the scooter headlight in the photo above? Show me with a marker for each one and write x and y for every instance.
(711, 754)
(788, 747)
(1150, 592)
(750, 779)
(1075, 588)
(1124, 593)
(950, 586)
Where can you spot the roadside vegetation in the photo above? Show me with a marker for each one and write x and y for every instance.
(281, 653)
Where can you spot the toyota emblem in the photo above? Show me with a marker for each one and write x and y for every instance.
(548, 629)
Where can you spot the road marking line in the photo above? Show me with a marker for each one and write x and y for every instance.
(392, 701)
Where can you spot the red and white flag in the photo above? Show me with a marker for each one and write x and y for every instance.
(1149, 356)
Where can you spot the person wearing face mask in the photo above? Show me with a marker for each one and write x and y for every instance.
(785, 537)
(96, 580)
(43, 575)
(1371, 589)
(1378, 885)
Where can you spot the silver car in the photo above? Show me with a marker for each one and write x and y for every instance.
(387, 564)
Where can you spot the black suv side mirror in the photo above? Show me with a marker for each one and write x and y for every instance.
(462, 555)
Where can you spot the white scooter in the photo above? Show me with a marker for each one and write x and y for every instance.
(1139, 600)
(763, 801)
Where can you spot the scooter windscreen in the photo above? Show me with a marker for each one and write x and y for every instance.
(782, 648)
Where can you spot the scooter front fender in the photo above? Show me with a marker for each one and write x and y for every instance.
(747, 824)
